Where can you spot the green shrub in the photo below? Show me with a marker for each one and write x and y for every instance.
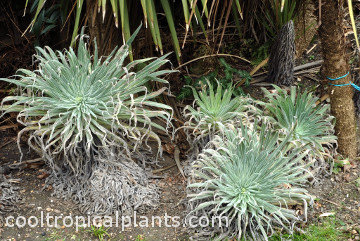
(76, 105)
(247, 177)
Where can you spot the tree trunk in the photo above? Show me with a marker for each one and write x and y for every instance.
(336, 64)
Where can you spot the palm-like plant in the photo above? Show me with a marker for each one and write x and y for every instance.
(77, 104)
(296, 115)
(281, 12)
(245, 177)
(192, 9)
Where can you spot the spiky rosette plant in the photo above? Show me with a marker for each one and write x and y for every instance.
(297, 115)
(77, 104)
(215, 108)
(243, 182)
(88, 117)
(212, 109)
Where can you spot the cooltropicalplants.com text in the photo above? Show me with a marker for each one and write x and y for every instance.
(50, 221)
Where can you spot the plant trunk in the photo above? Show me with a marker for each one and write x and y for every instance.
(305, 26)
(336, 64)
